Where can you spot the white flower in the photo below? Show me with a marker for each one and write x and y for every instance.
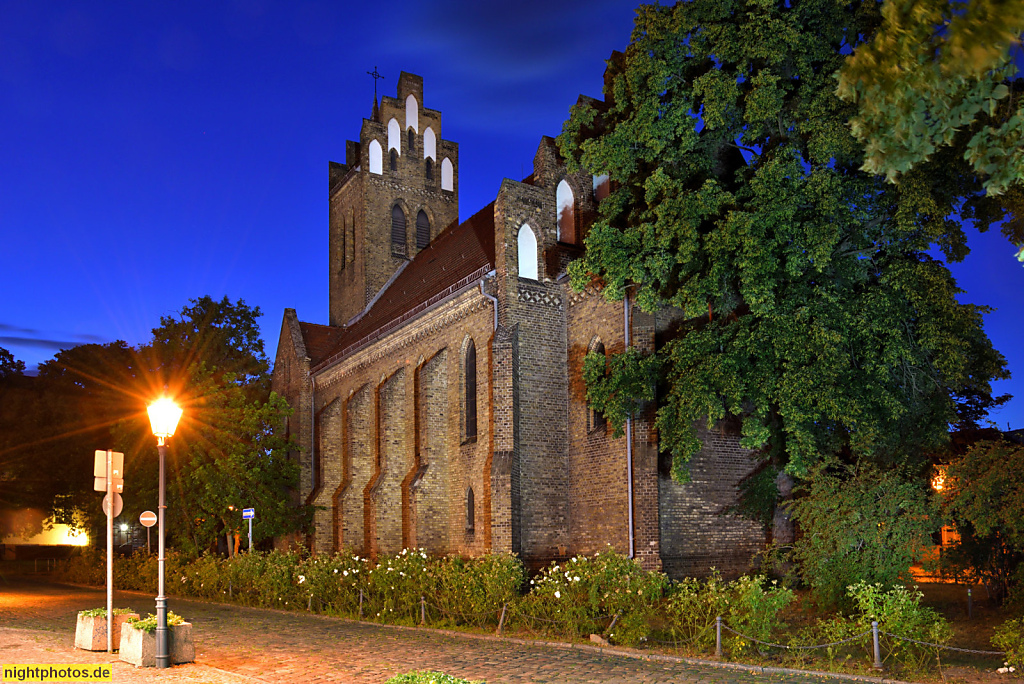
(336, 571)
(302, 578)
(424, 556)
(344, 574)
(576, 578)
(402, 574)
(558, 594)
(531, 582)
(1003, 670)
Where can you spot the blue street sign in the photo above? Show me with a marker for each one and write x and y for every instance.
(248, 513)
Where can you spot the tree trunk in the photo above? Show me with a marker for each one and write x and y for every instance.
(231, 547)
(783, 529)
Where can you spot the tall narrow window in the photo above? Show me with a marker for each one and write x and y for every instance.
(469, 372)
(344, 235)
(351, 246)
(376, 158)
(411, 142)
(397, 231)
(429, 144)
(566, 213)
(447, 174)
(394, 136)
(470, 510)
(394, 160)
(412, 116)
(422, 230)
(527, 253)
(595, 419)
(430, 169)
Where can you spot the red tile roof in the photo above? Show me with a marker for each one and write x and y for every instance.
(459, 252)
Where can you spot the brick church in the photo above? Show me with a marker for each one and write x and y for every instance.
(443, 405)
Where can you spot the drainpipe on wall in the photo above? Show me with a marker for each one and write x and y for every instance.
(629, 439)
(312, 434)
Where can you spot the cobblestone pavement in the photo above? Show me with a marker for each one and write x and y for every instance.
(236, 644)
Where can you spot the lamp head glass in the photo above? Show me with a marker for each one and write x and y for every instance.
(163, 416)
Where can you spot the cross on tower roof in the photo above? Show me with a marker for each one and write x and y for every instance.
(376, 76)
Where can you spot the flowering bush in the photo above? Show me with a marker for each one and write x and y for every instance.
(587, 592)
(1009, 637)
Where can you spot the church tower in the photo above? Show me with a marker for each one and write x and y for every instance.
(398, 188)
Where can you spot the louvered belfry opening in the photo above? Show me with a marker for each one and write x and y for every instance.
(422, 230)
(470, 374)
(397, 231)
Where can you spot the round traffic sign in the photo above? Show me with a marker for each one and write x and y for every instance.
(118, 505)
(148, 518)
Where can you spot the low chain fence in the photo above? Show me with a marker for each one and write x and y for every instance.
(605, 597)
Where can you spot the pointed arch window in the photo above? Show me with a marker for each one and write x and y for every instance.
(596, 422)
(527, 242)
(394, 136)
(430, 169)
(422, 230)
(394, 160)
(376, 158)
(447, 174)
(469, 392)
(429, 144)
(566, 213)
(411, 141)
(397, 231)
(470, 510)
(412, 115)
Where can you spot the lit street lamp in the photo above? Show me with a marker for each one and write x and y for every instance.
(163, 416)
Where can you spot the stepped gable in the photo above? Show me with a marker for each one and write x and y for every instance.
(456, 253)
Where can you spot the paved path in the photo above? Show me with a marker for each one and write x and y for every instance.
(236, 644)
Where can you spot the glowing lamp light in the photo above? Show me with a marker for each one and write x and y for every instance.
(164, 415)
(124, 528)
(939, 479)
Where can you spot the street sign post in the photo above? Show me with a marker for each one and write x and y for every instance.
(108, 471)
(148, 519)
(249, 514)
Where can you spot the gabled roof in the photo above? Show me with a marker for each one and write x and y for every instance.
(319, 339)
(459, 252)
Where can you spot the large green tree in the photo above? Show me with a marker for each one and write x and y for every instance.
(228, 452)
(812, 310)
(937, 74)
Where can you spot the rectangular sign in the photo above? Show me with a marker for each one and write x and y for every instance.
(248, 513)
(99, 468)
(100, 484)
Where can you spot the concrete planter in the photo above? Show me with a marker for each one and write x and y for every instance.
(91, 632)
(139, 648)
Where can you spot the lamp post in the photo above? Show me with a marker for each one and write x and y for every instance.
(163, 416)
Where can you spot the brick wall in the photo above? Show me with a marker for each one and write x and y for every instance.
(696, 532)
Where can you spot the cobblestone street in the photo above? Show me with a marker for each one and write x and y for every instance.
(236, 644)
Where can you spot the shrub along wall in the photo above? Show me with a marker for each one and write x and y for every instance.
(605, 593)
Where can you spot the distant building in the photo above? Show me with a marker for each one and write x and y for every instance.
(443, 407)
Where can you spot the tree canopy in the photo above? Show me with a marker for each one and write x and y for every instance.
(812, 308)
(943, 74)
(228, 452)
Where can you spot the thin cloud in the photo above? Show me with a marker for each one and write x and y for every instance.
(37, 343)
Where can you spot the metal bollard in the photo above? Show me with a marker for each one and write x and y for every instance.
(423, 611)
(969, 602)
(231, 593)
(878, 651)
(309, 606)
(718, 636)
(501, 620)
(360, 604)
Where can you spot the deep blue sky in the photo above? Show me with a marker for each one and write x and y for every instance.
(151, 152)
